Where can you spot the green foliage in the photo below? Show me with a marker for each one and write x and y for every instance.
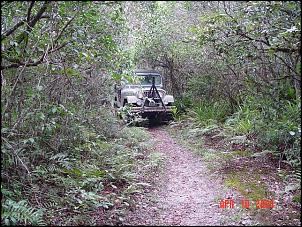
(277, 127)
(90, 175)
(280, 130)
(205, 113)
(243, 121)
(62, 148)
(183, 103)
(17, 213)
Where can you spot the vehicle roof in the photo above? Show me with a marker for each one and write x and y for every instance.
(146, 71)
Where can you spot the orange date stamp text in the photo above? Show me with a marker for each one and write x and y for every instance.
(259, 203)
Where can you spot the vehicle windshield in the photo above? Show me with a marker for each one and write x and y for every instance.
(147, 79)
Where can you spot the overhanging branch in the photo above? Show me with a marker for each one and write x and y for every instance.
(18, 63)
(30, 23)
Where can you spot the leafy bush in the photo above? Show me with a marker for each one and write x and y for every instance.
(280, 129)
(206, 112)
(245, 118)
(276, 125)
(98, 161)
(183, 103)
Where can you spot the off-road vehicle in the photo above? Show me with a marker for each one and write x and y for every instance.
(145, 98)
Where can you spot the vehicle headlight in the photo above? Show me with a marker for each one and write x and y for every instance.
(161, 94)
(139, 102)
(129, 93)
(139, 95)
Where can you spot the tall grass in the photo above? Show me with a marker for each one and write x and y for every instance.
(206, 112)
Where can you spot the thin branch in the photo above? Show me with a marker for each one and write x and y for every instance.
(9, 32)
(284, 49)
(65, 74)
(18, 63)
(63, 29)
(19, 24)
(286, 64)
(21, 117)
(59, 47)
(16, 155)
(33, 22)
(29, 11)
(266, 42)
(232, 70)
(225, 10)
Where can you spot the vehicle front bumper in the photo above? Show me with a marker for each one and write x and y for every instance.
(153, 109)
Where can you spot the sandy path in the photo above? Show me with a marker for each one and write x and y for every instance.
(188, 195)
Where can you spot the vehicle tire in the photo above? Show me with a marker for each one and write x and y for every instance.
(155, 120)
(115, 103)
(125, 102)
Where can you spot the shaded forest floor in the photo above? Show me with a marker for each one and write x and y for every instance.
(197, 176)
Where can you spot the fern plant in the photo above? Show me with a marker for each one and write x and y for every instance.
(13, 213)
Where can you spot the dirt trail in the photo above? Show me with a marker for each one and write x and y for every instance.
(188, 196)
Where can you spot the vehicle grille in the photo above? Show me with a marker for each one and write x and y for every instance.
(147, 92)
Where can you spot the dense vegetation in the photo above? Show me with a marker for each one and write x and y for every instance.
(64, 155)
